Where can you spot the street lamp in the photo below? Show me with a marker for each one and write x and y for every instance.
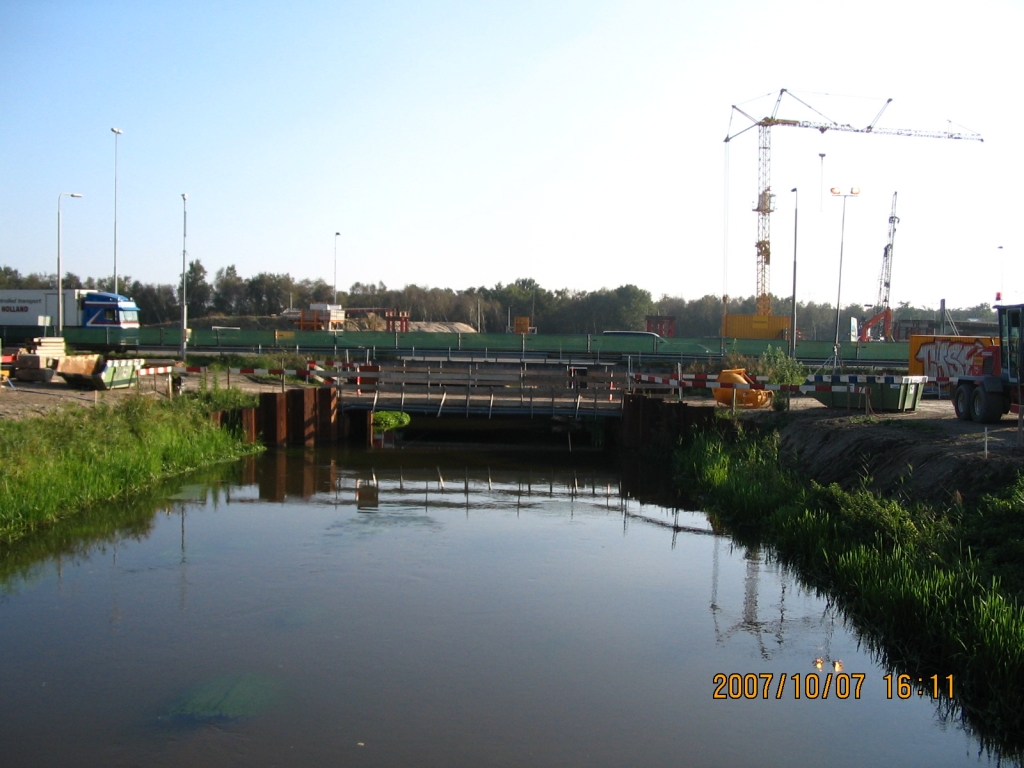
(792, 320)
(184, 294)
(117, 132)
(821, 184)
(836, 192)
(336, 234)
(60, 279)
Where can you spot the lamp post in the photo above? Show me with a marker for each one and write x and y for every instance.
(792, 320)
(839, 290)
(336, 234)
(117, 132)
(60, 279)
(821, 184)
(184, 293)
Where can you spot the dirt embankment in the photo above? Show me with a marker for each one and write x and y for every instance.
(927, 455)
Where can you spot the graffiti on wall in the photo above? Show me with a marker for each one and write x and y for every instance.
(944, 357)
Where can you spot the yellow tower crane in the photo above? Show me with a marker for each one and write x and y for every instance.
(765, 198)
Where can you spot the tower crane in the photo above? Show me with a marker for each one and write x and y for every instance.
(765, 198)
(884, 315)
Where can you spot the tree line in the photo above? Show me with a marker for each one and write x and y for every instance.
(489, 310)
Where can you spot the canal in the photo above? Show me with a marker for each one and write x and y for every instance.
(347, 608)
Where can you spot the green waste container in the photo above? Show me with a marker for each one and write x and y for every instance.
(888, 393)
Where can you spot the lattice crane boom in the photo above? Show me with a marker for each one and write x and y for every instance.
(765, 198)
(885, 278)
(884, 311)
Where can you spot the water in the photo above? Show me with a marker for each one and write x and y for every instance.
(484, 616)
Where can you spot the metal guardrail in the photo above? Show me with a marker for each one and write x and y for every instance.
(475, 391)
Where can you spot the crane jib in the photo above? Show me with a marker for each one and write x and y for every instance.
(764, 209)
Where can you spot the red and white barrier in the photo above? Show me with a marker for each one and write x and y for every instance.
(705, 382)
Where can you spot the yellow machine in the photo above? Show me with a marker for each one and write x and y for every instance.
(744, 398)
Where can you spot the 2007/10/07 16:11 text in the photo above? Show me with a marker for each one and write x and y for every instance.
(813, 686)
(810, 686)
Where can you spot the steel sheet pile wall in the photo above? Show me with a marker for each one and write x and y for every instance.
(648, 421)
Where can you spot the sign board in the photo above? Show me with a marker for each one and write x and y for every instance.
(755, 326)
(522, 325)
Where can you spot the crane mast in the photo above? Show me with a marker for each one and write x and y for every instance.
(765, 206)
(885, 278)
(884, 314)
(765, 198)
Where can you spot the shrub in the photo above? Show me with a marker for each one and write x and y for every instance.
(387, 421)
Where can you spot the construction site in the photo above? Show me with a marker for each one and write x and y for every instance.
(879, 325)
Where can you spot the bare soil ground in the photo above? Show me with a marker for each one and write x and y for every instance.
(926, 455)
(27, 399)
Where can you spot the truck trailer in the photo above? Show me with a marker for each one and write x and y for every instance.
(992, 385)
(108, 320)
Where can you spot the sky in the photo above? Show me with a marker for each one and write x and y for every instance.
(459, 144)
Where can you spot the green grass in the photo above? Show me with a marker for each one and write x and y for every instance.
(212, 397)
(102, 526)
(285, 359)
(54, 466)
(274, 360)
(924, 585)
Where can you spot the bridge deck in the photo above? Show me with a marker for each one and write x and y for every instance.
(472, 390)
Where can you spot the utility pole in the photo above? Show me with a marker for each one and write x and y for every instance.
(184, 273)
(117, 132)
(792, 320)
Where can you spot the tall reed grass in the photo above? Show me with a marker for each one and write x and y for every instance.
(56, 465)
(909, 576)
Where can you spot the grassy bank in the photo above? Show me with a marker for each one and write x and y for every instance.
(56, 465)
(103, 526)
(924, 585)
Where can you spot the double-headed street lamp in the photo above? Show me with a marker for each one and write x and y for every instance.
(836, 192)
(60, 279)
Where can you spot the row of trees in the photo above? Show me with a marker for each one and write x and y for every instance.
(486, 309)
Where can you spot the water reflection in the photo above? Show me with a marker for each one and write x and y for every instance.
(314, 607)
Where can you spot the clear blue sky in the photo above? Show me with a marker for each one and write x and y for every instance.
(470, 143)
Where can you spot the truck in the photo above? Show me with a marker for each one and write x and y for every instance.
(92, 319)
(991, 386)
